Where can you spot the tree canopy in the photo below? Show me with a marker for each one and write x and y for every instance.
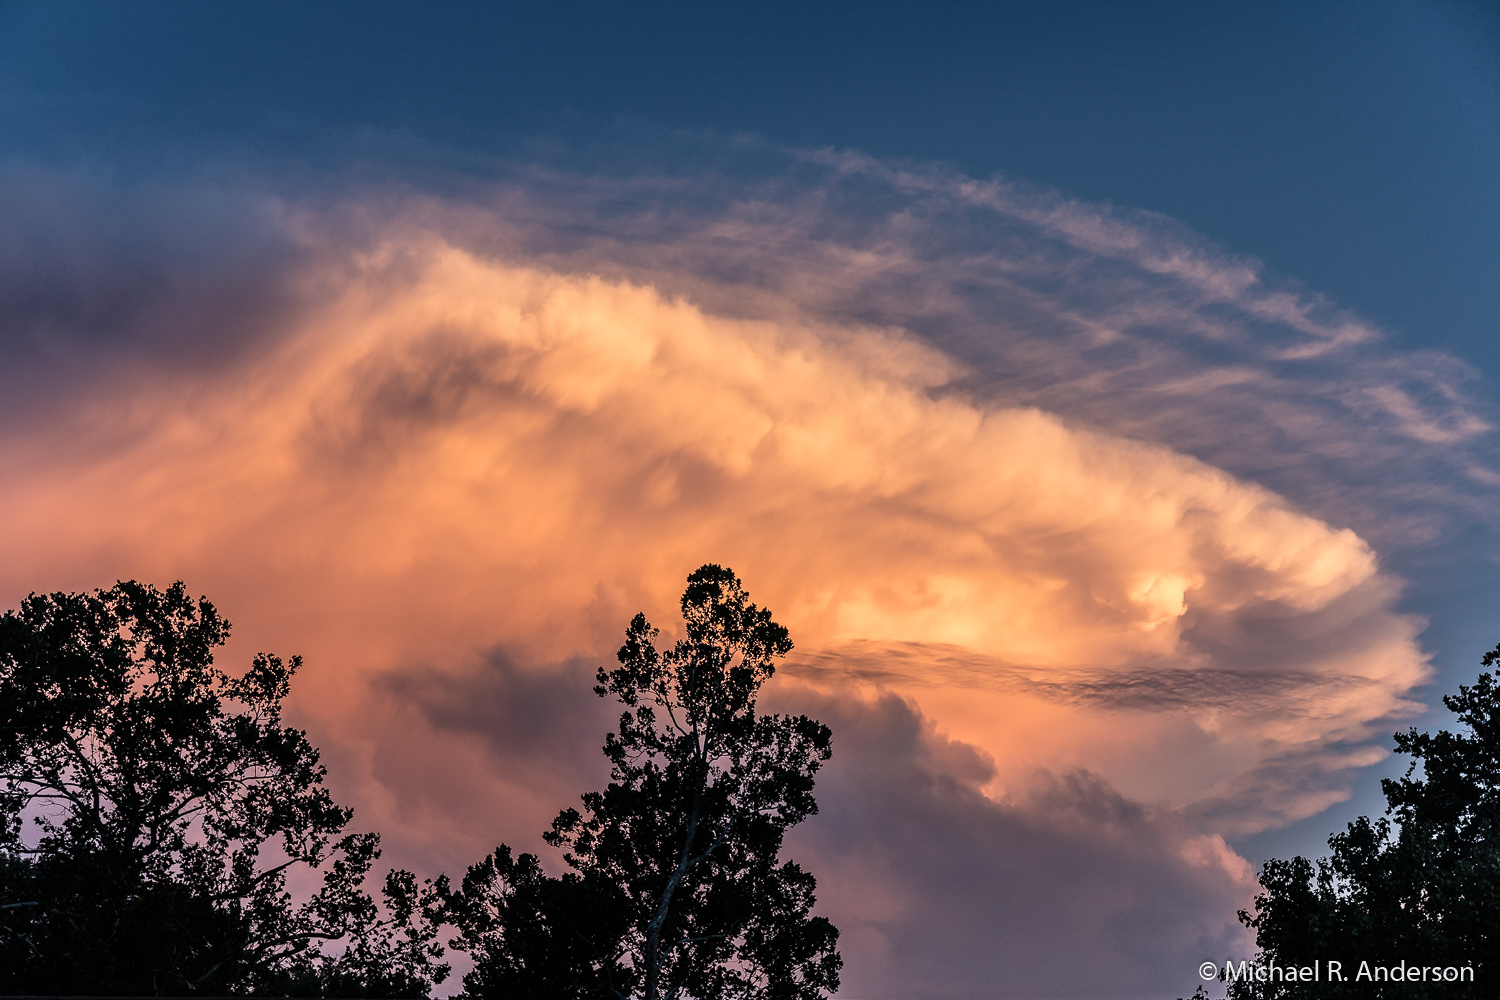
(152, 806)
(1420, 886)
(675, 886)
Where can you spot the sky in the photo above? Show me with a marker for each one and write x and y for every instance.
(1103, 395)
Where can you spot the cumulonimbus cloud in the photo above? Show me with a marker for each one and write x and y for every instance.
(986, 482)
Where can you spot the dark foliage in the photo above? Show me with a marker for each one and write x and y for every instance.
(152, 806)
(676, 888)
(534, 937)
(1423, 890)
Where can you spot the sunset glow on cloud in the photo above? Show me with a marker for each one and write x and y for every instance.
(1038, 586)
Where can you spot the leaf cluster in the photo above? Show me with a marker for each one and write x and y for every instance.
(1420, 885)
(152, 806)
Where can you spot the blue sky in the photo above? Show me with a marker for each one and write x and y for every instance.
(1261, 242)
(1354, 146)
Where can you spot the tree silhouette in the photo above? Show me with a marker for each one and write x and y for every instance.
(1424, 890)
(152, 806)
(676, 888)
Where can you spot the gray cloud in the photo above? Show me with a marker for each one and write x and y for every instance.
(943, 892)
(101, 277)
(541, 721)
(939, 891)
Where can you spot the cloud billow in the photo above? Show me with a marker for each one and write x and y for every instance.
(1077, 524)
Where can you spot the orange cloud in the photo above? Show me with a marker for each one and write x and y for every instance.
(1011, 493)
(452, 452)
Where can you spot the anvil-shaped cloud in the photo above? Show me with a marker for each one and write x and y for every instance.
(1065, 650)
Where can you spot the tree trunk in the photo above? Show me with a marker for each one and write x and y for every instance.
(653, 930)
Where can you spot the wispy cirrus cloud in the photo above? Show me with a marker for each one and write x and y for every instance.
(1121, 319)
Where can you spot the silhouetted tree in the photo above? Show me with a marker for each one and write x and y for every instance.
(151, 807)
(676, 888)
(534, 937)
(1424, 890)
